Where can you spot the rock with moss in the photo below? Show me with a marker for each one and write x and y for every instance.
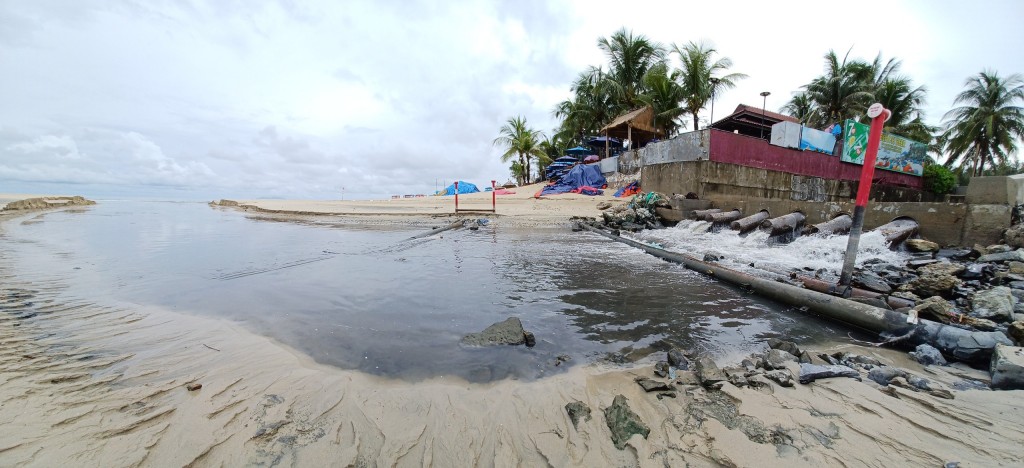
(623, 422)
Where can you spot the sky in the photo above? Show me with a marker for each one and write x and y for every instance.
(366, 99)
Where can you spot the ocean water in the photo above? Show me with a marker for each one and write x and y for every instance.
(367, 298)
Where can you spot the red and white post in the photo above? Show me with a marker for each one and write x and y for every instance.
(456, 196)
(494, 196)
(879, 115)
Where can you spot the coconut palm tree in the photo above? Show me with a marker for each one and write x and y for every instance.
(905, 102)
(698, 67)
(591, 106)
(803, 108)
(989, 121)
(521, 141)
(630, 57)
(843, 92)
(664, 95)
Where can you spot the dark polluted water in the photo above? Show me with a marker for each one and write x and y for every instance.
(366, 298)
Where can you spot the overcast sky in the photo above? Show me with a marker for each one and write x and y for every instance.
(247, 98)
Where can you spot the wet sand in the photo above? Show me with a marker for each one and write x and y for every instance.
(89, 383)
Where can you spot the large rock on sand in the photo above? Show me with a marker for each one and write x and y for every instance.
(1007, 368)
(994, 304)
(509, 332)
(623, 422)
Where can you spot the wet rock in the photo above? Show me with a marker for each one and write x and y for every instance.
(661, 369)
(782, 345)
(508, 332)
(995, 304)
(811, 372)
(882, 375)
(193, 387)
(973, 347)
(623, 422)
(677, 359)
(781, 377)
(967, 384)
(919, 383)
(976, 271)
(708, 372)
(529, 339)
(1011, 256)
(1016, 333)
(778, 358)
(921, 245)
(927, 354)
(920, 263)
(955, 254)
(872, 282)
(651, 385)
(859, 360)
(577, 411)
(561, 358)
(1007, 368)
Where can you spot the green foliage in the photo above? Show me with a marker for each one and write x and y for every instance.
(521, 141)
(985, 128)
(939, 180)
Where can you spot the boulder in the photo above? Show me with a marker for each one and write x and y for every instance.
(651, 385)
(1007, 368)
(882, 375)
(782, 345)
(677, 359)
(995, 304)
(1014, 236)
(708, 372)
(577, 410)
(928, 285)
(928, 355)
(1011, 256)
(811, 372)
(921, 245)
(781, 377)
(623, 422)
(871, 282)
(508, 332)
(661, 369)
(1016, 333)
(976, 271)
(1016, 268)
(778, 358)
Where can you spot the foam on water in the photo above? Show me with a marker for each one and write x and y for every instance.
(815, 252)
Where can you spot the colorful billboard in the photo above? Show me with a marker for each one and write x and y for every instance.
(895, 153)
(817, 141)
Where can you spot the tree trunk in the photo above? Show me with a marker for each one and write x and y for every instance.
(522, 171)
(695, 122)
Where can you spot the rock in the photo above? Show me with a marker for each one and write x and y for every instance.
(508, 332)
(857, 359)
(193, 387)
(906, 295)
(1011, 256)
(781, 377)
(998, 248)
(760, 382)
(976, 271)
(529, 339)
(1014, 236)
(956, 254)
(562, 358)
(872, 282)
(651, 385)
(995, 304)
(778, 358)
(623, 422)
(928, 285)
(921, 245)
(687, 378)
(677, 359)
(941, 268)
(920, 263)
(577, 410)
(711, 258)
(787, 346)
(927, 354)
(882, 375)
(708, 372)
(604, 205)
(811, 372)
(661, 369)
(1007, 368)
(666, 395)
(1016, 333)
(1016, 268)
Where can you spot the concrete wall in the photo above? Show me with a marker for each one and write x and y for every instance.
(629, 162)
(609, 165)
(692, 146)
(1008, 190)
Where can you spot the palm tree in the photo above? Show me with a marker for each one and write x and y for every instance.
(698, 67)
(664, 94)
(803, 108)
(842, 92)
(905, 102)
(553, 148)
(629, 59)
(590, 107)
(519, 140)
(988, 123)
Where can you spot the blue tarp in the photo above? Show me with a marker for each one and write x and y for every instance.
(464, 187)
(579, 176)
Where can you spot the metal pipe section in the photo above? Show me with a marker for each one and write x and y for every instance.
(724, 216)
(898, 230)
(750, 222)
(700, 214)
(455, 225)
(961, 344)
(839, 225)
(783, 224)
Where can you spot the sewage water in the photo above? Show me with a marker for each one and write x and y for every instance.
(366, 298)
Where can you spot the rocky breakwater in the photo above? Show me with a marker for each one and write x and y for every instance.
(637, 214)
(45, 203)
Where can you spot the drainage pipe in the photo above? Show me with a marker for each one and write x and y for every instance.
(723, 216)
(783, 224)
(961, 344)
(750, 222)
(455, 225)
(700, 214)
(897, 230)
(839, 225)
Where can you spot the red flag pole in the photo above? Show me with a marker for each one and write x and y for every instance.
(494, 197)
(879, 115)
(456, 196)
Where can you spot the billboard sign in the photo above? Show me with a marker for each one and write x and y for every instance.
(817, 141)
(895, 153)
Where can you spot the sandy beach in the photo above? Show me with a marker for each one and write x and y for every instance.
(98, 383)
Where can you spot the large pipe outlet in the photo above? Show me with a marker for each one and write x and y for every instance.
(700, 214)
(785, 224)
(750, 222)
(724, 216)
(898, 230)
(839, 225)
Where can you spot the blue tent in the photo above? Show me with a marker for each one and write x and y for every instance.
(464, 187)
(579, 151)
(579, 176)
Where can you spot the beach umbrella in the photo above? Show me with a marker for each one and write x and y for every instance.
(578, 151)
(591, 158)
(601, 140)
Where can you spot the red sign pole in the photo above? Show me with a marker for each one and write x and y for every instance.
(456, 196)
(879, 115)
(494, 197)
